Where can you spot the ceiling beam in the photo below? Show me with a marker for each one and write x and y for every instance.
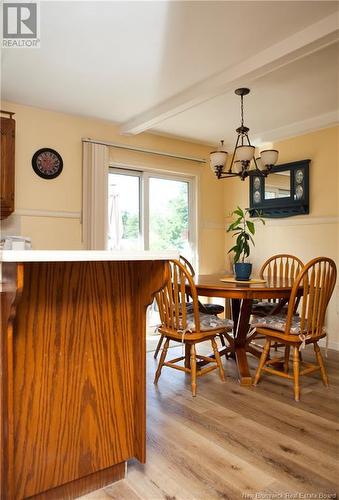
(304, 42)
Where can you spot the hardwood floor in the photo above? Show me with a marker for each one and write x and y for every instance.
(236, 442)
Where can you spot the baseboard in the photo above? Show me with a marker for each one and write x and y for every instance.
(84, 485)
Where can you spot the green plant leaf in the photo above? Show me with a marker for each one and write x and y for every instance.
(233, 225)
(250, 226)
(233, 249)
(239, 212)
(246, 249)
(236, 258)
(259, 214)
(235, 228)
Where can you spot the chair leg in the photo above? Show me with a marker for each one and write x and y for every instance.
(320, 360)
(222, 340)
(161, 361)
(193, 370)
(262, 361)
(158, 346)
(275, 346)
(287, 358)
(218, 360)
(296, 370)
(187, 362)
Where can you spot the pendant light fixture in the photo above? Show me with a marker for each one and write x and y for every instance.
(241, 163)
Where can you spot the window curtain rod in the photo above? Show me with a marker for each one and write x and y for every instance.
(143, 150)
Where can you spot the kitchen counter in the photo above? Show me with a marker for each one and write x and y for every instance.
(72, 364)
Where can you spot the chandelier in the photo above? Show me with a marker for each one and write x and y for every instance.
(241, 164)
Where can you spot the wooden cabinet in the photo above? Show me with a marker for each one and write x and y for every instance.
(73, 386)
(7, 175)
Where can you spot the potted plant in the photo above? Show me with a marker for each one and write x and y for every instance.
(244, 230)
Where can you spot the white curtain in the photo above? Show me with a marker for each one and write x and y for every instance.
(95, 196)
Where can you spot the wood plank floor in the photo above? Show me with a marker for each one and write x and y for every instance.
(235, 442)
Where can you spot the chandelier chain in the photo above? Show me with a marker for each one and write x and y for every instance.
(242, 110)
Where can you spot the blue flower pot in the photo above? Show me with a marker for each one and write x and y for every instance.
(242, 271)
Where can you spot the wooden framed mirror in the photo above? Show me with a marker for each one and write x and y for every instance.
(283, 193)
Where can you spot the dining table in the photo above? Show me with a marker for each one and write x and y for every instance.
(242, 295)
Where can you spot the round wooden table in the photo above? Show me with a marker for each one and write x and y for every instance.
(242, 295)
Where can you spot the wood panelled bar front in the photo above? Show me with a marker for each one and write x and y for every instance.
(72, 369)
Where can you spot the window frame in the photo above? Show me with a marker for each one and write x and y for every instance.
(145, 174)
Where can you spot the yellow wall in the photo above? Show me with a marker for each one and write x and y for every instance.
(305, 236)
(37, 128)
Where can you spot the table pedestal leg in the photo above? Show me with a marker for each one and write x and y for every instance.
(241, 312)
(235, 306)
(241, 317)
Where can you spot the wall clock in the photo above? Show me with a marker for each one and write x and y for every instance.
(47, 163)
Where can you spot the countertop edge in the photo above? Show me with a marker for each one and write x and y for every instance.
(82, 255)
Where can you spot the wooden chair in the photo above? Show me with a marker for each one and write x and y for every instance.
(204, 308)
(190, 328)
(280, 265)
(313, 286)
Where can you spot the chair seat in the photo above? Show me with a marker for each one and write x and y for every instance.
(207, 308)
(278, 322)
(209, 322)
(266, 308)
(211, 308)
(293, 338)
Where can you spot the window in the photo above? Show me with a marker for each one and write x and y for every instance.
(151, 211)
(124, 214)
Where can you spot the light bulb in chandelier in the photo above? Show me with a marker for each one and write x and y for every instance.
(218, 159)
(245, 153)
(260, 164)
(269, 157)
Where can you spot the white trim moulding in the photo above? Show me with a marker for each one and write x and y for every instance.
(293, 221)
(47, 213)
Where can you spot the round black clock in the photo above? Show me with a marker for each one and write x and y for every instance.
(47, 163)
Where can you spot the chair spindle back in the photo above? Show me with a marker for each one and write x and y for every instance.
(313, 287)
(172, 299)
(186, 263)
(281, 265)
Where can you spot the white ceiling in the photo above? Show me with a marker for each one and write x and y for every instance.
(166, 66)
(301, 91)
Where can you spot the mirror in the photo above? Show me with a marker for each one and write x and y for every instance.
(283, 193)
(278, 185)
